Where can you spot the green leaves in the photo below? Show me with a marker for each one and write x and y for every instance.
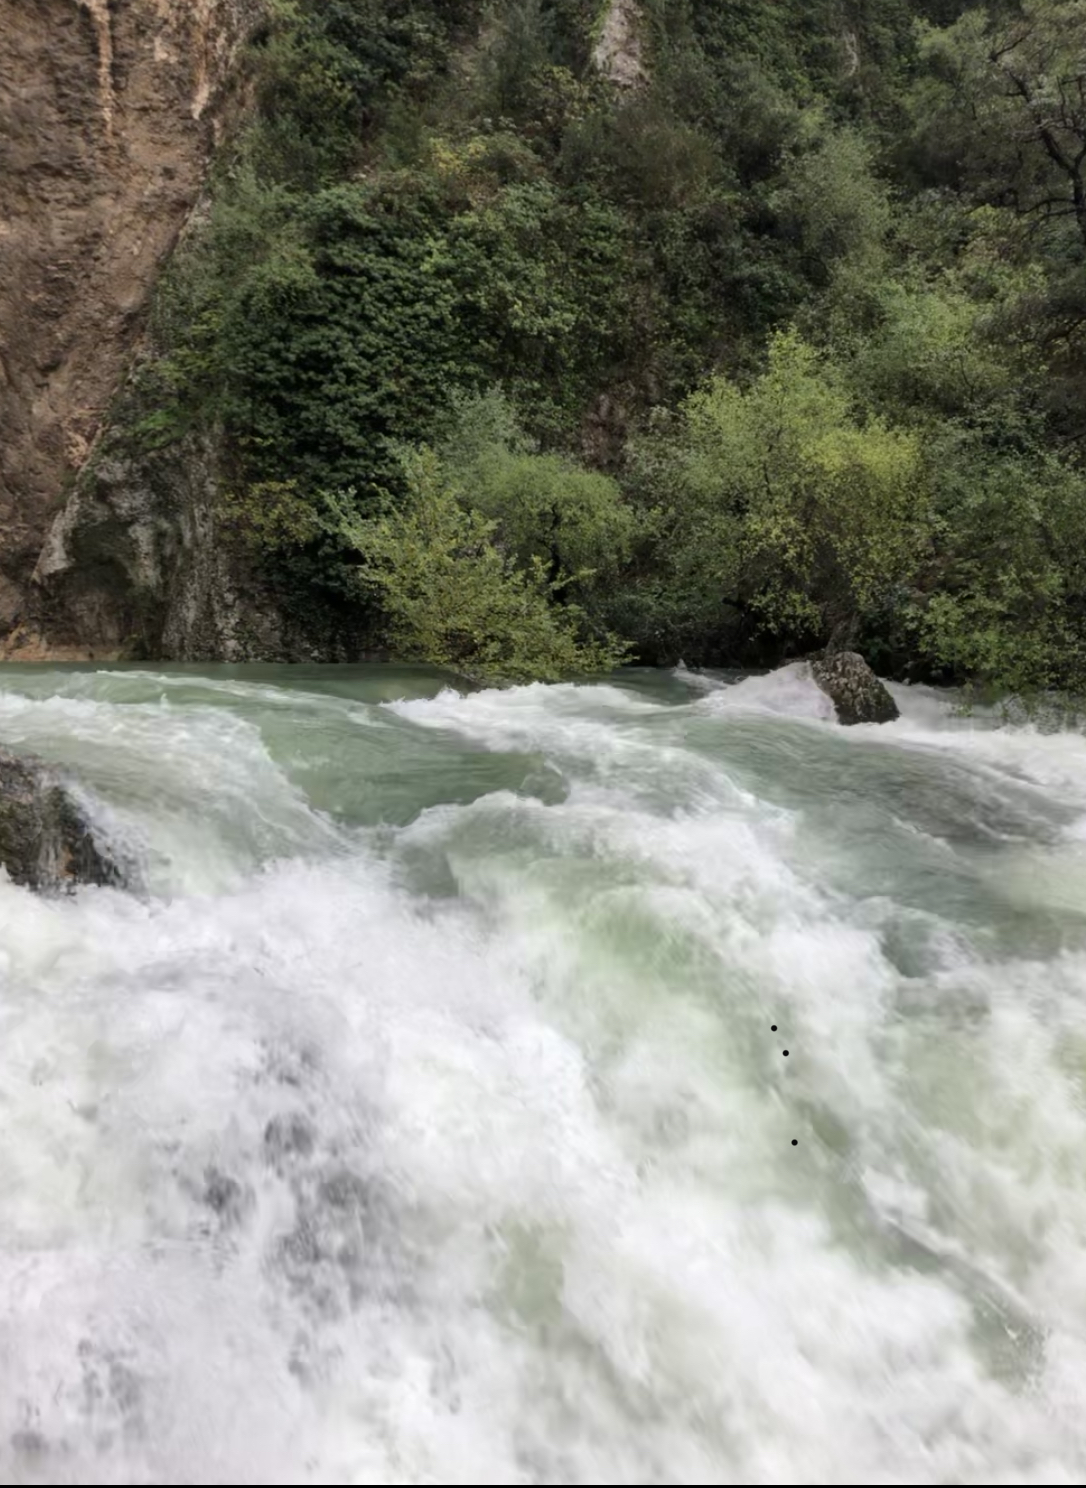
(801, 510)
(1003, 105)
(437, 196)
(790, 507)
(454, 597)
(1002, 597)
(545, 508)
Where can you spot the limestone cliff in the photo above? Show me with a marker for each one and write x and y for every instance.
(110, 111)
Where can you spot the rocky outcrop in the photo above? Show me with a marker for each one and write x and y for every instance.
(856, 693)
(138, 563)
(110, 111)
(144, 562)
(46, 841)
(618, 54)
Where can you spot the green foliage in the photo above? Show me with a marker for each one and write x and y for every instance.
(272, 516)
(807, 517)
(641, 155)
(1015, 81)
(453, 597)
(517, 57)
(831, 200)
(478, 423)
(951, 346)
(540, 296)
(547, 509)
(345, 341)
(329, 72)
(491, 560)
(998, 122)
(323, 329)
(794, 332)
(1002, 597)
(788, 507)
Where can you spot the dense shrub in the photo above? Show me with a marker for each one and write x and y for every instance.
(813, 296)
(453, 595)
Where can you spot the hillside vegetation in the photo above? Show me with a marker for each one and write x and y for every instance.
(780, 347)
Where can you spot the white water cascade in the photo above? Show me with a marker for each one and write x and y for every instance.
(417, 1118)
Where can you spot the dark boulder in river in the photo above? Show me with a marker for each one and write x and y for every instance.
(46, 841)
(855, 691)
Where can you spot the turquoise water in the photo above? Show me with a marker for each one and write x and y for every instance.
(417, 1117)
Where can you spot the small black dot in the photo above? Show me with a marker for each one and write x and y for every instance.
(786, 1053)
(794, 1142)
(773, 1028)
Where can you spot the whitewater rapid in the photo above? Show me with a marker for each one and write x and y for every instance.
(416, 1117)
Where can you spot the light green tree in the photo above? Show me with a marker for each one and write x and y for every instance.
(791, 505)
(453, 596)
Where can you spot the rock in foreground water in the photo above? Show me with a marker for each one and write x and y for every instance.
(855, 691)
(46, 841)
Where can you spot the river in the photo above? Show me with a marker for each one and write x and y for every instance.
(419, 1116)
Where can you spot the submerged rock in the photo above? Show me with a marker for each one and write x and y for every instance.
(855, 691)
(46, 841)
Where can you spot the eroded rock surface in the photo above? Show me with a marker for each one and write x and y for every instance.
(46, 841)
(856, 693)
(110, 111)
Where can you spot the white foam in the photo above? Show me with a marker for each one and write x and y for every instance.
(789, 691)
(312, 1175)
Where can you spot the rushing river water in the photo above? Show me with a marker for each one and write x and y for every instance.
(419, 1118)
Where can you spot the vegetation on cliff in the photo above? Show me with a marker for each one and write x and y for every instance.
(781, 346)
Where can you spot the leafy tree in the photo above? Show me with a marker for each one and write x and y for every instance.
(546, 507)
(792, 508)
(1004, 107)
(1001, 596)
(453, 597)
(813, 296)
(948, 347)
(831, 201)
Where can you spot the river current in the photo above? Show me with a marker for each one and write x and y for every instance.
(418, 1115)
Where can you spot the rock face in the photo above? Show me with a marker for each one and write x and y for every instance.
(856, 693)
(618, 52)
(45, 840)
(109, 113)
(138, 563)
(143, 562)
